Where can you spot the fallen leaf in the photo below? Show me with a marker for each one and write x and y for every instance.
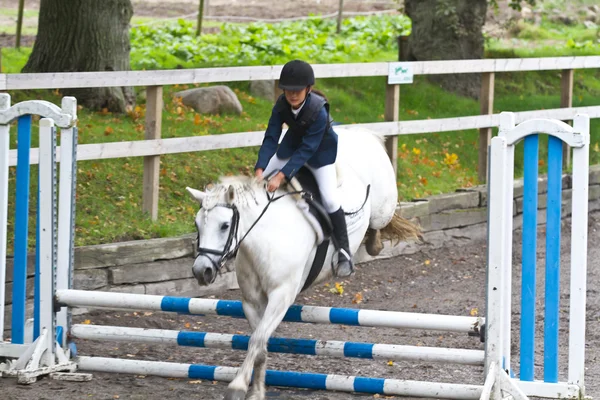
(338, 289)
(87, 322)
(195, 382)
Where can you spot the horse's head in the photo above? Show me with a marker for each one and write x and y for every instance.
(217, 223)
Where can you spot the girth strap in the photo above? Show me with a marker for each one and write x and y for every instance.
(317, 265)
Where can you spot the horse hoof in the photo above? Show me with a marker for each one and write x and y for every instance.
(234, 394)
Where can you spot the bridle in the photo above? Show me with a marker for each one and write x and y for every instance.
(227, 253)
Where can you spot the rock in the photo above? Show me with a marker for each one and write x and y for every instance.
(590, 25)
(263, 89)
(595, 9)
(526, 13)
(564, 19)
(591, 15)
(211, 100)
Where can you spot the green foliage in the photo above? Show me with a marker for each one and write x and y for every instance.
(515, 4)
(176, 46)
(13, 60)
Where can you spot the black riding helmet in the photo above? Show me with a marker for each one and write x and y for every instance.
(296, 75)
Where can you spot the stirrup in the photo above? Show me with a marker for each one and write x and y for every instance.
(348, 260)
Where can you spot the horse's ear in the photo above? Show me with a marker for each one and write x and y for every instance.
(196, 194)
(230, 194)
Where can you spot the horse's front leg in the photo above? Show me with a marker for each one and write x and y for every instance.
(254, 311)
(278, 303)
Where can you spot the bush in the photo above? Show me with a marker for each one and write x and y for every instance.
(176, 46)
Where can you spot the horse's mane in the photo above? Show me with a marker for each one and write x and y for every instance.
(244, 187)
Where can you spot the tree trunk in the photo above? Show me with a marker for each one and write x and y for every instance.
(85, 35)
(448, 30)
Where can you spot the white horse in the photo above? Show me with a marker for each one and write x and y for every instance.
(275, 246)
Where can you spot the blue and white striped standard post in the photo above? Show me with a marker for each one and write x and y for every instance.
(330, 348)
(393, 387)
(296, 313)
(21, 230)
(529, 259)
(552, 295)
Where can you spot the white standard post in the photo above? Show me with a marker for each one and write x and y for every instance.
(497, 251)
(507, 122)
(64, 267)
(579, 237)
(4, 150)
(46, 207)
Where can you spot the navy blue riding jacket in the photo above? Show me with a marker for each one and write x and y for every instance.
(310, 138)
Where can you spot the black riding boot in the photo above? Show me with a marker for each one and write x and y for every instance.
(344, 266)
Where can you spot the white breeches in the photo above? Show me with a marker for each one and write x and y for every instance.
(325, 176)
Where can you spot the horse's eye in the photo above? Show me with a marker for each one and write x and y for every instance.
(225, 226)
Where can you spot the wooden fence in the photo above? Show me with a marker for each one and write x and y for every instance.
(153, 146)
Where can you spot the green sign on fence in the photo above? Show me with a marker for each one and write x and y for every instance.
(400, 72)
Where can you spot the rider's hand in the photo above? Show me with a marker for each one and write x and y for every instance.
(258, 174)
(275, 181)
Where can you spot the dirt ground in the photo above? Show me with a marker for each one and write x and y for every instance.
(444, 281)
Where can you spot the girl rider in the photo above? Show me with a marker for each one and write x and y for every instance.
(310, 141)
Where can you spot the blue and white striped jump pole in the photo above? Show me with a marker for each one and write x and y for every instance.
(393, 387)
(296, 313)
(330, 348)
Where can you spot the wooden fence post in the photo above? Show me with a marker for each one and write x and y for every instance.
(566, 101)
(486, 101)
(392, 112)
(403, 49)
(154, 106)
(276, 90)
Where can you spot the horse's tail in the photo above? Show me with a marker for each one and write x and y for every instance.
(400, 229)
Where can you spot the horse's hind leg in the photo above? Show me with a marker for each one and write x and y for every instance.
(374, 244)
(279, 302)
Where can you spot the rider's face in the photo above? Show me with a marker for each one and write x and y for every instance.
(296, 97)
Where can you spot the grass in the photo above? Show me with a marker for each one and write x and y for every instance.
(109, 193)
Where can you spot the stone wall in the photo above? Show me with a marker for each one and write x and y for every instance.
(163, 266)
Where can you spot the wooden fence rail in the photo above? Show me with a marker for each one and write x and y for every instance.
(154, 146)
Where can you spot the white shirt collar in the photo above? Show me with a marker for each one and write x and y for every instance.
(297, 111)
